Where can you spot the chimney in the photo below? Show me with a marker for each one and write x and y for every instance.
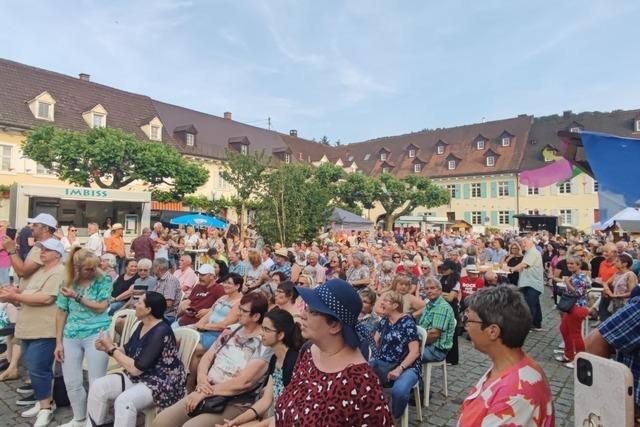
(566, 114)
(293, 132)
(85, 77)
(227, 115)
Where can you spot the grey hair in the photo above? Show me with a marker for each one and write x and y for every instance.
(369, 294)
(146, 230)
(161, 263)
(388, 265)
(433, 281)
(360, 256)
(111, 258)
(145, 263)
(505, 307)
(573, 259)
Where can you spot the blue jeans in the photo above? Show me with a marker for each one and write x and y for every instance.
(532, 298)
(115, 306)
(432, 354)
(401, 388)
(38, 358)
(74, 352)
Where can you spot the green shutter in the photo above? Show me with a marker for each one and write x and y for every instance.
(494, 189)
(494, 217)
(512, 189)
(511, 218)
(484, 216)
(466, 190)
(467, 217)
(483, 189)
(458, 194)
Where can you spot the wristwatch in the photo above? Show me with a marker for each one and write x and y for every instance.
(110, 352)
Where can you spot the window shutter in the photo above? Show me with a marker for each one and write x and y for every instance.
(494, 189)
(553, 188)
(467, 217)
(494, 218)
(574, 186)
(574, 217)
(512, 189)
(484, 217)
(483, 190)
(511, 218)
(541, 190)
(458, 195)
(466, 190)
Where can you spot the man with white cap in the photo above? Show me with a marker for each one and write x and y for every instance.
(43, 226)
(36, 325)
(202, 297)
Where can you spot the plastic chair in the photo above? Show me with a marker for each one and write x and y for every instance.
(188, 339)
(130, 324)
(404, 421)
(426, 376)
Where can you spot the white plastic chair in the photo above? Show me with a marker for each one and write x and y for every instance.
(426, 375)
(188, 341)
(404, 421)
(130, 324)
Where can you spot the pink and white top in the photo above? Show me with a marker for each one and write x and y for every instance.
(519, 397)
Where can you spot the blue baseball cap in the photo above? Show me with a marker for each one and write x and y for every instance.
(339, 299)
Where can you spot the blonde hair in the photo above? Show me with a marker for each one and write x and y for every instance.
(254, 257)
(400, 278)
(394, 298)
(79, 258)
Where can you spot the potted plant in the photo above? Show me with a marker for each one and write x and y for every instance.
(4, 190)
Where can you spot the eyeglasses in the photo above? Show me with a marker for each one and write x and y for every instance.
(268, 330)
(465, 320)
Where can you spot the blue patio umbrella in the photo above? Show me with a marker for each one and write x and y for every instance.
(199, 220)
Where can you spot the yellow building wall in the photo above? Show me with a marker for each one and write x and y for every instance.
(582, 202)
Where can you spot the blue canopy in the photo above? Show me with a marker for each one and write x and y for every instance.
(199, 220)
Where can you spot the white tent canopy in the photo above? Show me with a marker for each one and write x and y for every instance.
(627, 219)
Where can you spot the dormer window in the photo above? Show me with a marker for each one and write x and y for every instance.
(575, 129)
(417, 167)
(99, 120)
(96, 117)
(385, 169)
(506, 141)
(412, 152)
(190, 139)
(244, 150)
(383, 156)
(45, 110)
(491, 161)
(440, 149)
(451, 164)
(636, 125)
(153, 129)
(480, 144)
(42, 106)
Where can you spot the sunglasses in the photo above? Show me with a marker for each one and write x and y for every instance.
(73, 229)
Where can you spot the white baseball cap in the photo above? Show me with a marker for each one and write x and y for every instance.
(45, 219)
(206, 269)
(52, 244)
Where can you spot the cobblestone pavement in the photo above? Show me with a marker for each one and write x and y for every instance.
(441, 411)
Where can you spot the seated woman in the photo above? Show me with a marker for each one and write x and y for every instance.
(108, 265)
(286, 297)
(411, 304)
(333, 363)
(235, 367)
(398, 363)
(282, 335)
(515, 390)
(122, 285)
(223, 313)
(153, 373)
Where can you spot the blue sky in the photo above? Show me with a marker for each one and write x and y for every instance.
(351, 70)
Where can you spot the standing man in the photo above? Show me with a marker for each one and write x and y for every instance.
(531, 280)
(94, 244)
(143, 246)
(606, 271)
(185, 275)
(114, 244)
(36, 325)
(161, 246)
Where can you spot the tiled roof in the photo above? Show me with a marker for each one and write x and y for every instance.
(544, 131)
(459, 141)
(21, 83)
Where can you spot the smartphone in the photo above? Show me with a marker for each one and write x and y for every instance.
(11, 233)
(603, 392)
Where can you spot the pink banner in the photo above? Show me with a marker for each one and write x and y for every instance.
(557, 171)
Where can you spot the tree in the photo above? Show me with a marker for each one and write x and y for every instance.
(245, 173)
(324, 140)
(112, 158)
(400, 197)
(358, 191)
(295, 204)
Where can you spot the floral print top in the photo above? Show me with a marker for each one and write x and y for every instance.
(82, 322)
(520, 397)
(395, 339)
(156, 355)
(581, 283)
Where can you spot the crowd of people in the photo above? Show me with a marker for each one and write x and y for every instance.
(333, 331)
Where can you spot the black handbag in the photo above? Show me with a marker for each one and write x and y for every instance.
(566, 303)
(210, 405)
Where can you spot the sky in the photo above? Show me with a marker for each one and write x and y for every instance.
(350, 70)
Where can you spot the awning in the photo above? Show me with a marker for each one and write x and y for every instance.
(410, 219)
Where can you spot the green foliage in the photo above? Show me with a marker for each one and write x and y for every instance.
(164, 196)
(112, 158)
(358, 191)
(295, 203)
